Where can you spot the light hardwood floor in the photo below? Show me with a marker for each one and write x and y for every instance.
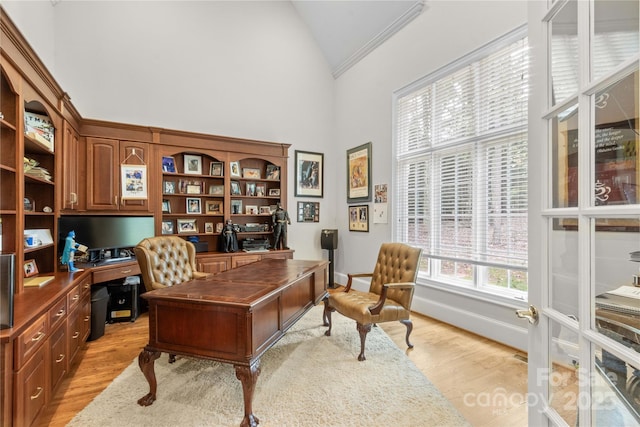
(485, 381)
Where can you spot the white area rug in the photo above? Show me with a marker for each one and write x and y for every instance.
(307, 379)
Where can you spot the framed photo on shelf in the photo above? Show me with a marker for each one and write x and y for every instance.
(308, 212)
(359, 174)
(186, 226)
(166, 206)
(359, 218)
(274, 191)
(309, 173)
(234, 169)
(213, 207)
(261, 190)
(30, 268)
(265, 210)
(168, 164)
(216, 190)
(235, 188)
(29, 204)
(251, 173)
(219, 227)
(273, 172)
(194, 188)
(251, 189)
(208, 227)
(251, 210)
(169, 187)
(134, 182)
(167, 227)
(236, 207)
(216, 169)
(194, 205)
(192, 164)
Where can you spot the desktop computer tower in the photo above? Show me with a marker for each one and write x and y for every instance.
(123, 300)
(7, 286)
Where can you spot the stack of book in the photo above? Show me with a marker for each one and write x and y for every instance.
(32, 169)
(40, 128)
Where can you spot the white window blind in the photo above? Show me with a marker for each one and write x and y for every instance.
(461, 159)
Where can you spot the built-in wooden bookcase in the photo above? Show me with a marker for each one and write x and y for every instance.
(27, 178)
(193, 196)
(8, 164)
(39, 210)
(255, 191)
(198, 202)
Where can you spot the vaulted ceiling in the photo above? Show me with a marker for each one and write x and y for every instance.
(347, 30)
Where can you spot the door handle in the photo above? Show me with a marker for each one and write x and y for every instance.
(530, 314)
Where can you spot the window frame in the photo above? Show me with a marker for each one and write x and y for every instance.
(429, 274)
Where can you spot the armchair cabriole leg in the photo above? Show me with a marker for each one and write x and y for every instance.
(363, 330)
(409, 324)
(326, 316)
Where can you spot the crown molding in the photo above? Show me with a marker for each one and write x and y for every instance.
(380, 38)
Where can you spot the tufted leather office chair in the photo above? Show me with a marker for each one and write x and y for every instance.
(166, 261)
(389, 297)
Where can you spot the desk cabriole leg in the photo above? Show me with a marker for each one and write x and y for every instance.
(248, 376)
(146, 361)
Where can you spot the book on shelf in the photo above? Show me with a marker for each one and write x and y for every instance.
(40, 128)
(37, 281)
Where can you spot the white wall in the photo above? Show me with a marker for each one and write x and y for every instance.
(445, 31)
(243, 69)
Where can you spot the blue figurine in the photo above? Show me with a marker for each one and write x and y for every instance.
(70, 246)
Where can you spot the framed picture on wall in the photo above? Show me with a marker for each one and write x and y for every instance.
(134, 182)
(359, 218)
(308, 212)
(359, 174)
(309, 169)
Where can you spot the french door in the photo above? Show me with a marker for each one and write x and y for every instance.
(584, 237)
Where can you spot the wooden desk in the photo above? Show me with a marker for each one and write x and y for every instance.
(232, 317)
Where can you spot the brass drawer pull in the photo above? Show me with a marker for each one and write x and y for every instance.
(38, 336)
(38, 393)
(76, 335)
(60, 313)
(125, 271)
(76, 297)
(60, 358)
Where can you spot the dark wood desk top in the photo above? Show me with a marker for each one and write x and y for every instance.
(246, 285)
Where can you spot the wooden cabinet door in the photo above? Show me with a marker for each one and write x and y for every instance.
(239, 261)
(134, 153)
(72, 168)
(214, 264)
(102, 174)
(58, 357)
(30, 389)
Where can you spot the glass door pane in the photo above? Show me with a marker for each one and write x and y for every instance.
(564, 146)
(564, 53)
(616, 143)
(615, 37)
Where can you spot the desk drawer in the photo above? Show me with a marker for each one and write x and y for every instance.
(58, 313)
(115, 273)
(30, 340)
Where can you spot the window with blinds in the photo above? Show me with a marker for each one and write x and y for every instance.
(461, 168)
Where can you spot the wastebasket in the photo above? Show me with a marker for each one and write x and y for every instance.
(99, 302)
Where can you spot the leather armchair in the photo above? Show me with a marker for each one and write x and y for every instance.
(166, 261)
(389, 297)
